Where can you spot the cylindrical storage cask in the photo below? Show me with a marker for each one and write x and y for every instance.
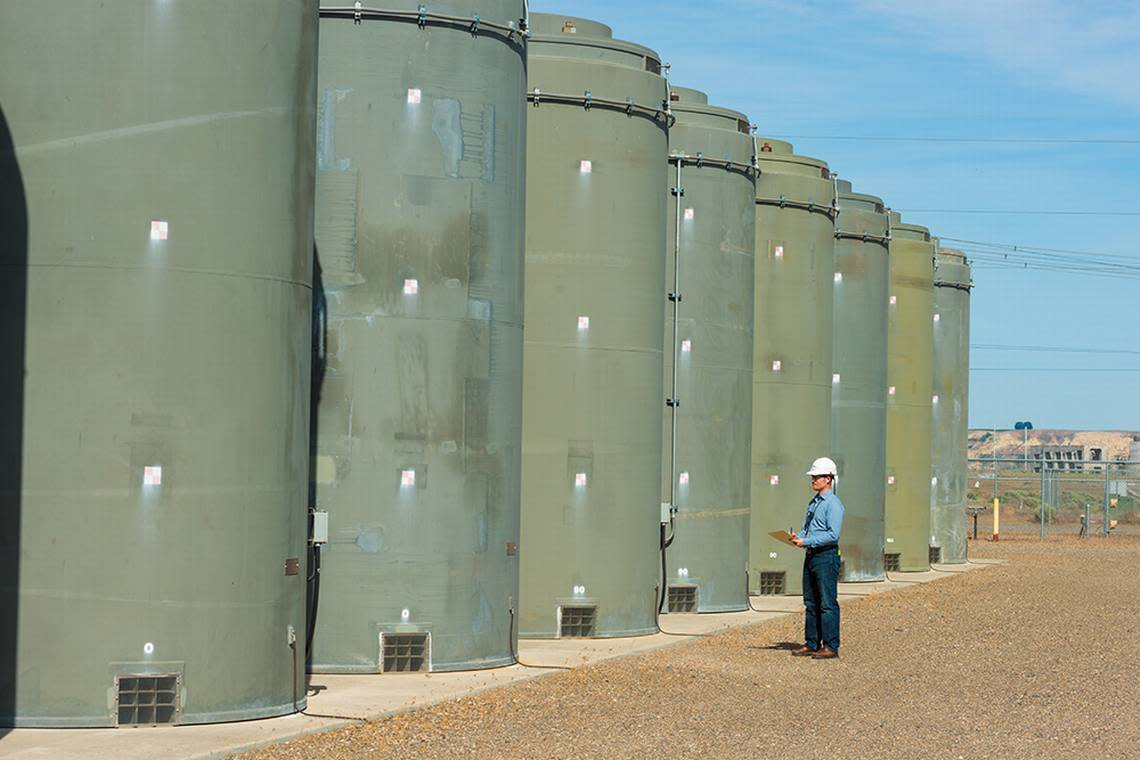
(791, 357)
(910, 350)
(595, 284)
(951, 404)
(706, 468)
(420, 213)
(156, 194)
(859, 379)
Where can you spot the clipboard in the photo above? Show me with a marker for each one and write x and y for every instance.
(783, 536)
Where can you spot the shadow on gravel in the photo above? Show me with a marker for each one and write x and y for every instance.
(782, 646)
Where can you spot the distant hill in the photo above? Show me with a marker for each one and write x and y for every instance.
(1115, 444)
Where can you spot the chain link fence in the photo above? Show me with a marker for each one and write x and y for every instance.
(1078, 497)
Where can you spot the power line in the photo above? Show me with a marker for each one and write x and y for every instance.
(988, 255)
(999, 140)
(1015, 247)
(1052, 349)
(1055, 369)
(1013, 212)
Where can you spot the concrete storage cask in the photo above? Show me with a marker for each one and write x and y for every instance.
(593, 396)
(791, 358)
(950, 404)
(859, 378)
(708, 353)
(910, 351)
(420, 244)
(156, 191)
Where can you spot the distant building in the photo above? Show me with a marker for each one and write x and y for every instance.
(1076, 458)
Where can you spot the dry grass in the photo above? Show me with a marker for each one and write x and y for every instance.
(1036, 658)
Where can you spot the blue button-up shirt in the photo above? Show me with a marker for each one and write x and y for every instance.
(823, 521)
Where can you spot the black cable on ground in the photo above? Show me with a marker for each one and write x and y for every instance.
(657, 620)
(748, 596)
(515, 652)
(892, 580)
(355, 718)
(934, 569)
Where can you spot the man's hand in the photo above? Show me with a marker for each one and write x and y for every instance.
(797, 541)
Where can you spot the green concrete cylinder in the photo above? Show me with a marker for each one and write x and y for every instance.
(951, 403)
(156, 199)
(910, 349)
(593, 396)
(710, 264)
(791, 357)
(859, 379)
(420, 214)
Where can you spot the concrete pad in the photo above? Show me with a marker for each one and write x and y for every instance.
(337, 701)
(366, 697)
(209, 741)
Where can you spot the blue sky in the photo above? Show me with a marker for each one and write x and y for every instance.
(958, 69)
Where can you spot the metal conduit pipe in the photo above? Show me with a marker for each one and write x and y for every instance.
(673, 402)
(699, 161)
(588, 101)
(810, 206)
(358, 13)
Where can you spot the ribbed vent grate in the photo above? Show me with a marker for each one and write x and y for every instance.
(935, 555)
(891, 563)
(682, 598)
(772, 583)
(578, 622)
(148, 700)
(404, 652)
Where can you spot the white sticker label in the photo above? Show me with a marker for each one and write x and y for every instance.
(839, 277)
(777, 365)
(771, 555)
(774, 480)
(411, 287)
(414, 96)
(159, 230)
(580, 479)
(683, 478)
(894, 300)
(835, 378)
(583, 323)
(778, 252)
(689, 213)
(152, 476)
(890, 540)
(686, 346)
(586, 167)
(407, 478)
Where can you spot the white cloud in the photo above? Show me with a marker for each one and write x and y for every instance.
(1088, 48)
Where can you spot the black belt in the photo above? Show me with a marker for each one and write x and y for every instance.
(813, 550)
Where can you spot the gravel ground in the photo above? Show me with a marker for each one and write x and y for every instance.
(1036, 658)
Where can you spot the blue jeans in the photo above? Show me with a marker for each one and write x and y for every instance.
(821, 598)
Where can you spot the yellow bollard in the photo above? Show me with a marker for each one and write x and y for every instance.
(997, 517)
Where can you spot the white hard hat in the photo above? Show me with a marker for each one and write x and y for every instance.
(823, 466)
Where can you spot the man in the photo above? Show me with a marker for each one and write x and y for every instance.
(819, 537)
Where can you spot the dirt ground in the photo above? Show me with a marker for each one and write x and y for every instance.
(1035, 658)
